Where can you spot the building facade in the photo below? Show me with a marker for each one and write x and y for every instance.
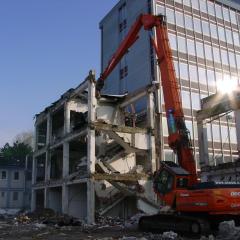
(15, 185)
(204, 37)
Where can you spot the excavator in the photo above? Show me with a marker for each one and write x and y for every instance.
(194, 206)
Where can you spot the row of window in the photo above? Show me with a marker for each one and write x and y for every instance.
(201, 26)
(213, 159)
(15, 195)
(215, 133)
(3, 175)
(212, 9)
(194, 73)
(204, 51)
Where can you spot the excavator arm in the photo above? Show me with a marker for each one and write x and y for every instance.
(178, 138)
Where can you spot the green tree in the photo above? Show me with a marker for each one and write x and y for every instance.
(17, 151)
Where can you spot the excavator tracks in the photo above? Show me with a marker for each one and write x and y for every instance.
(174, 222)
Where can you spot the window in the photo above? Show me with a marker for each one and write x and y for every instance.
(208, 52)
(211, 77)
(226, 16)
(232, 59)
(213, 30)
(238, 61)
(179, 19)
(187, 3)
(224, 132)
(123, 72)
(233, 17)
(221, 33)
(165, 127)
(2, 194)
(205, 28)
(4, 175)
(15, 196)
(191, 47)
(186, 99)
(163, 182)
(189, 128)
(216, 133)
(193, 73)
(188, 22)
(209, 132)
(219, 77)
(182, 44)
(202, 76)
(184, 71)
(211, 9)
(236, 39)
(160, 10)
(176, 68)
(173, 41)
(123, 25)
(170, 16)
(200, 52)
(197, 25)
(203, 6)
(218, 11)
(229, 36)
(233, 135)
(195, 4)
(216, 55)
(195, 101)
(179, 1)
(224, 56)
(16, 175)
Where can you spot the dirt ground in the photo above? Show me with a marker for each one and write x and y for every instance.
(12, 231)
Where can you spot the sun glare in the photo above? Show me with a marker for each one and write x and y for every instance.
(227, 84)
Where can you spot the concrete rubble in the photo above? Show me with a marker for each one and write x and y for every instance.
(46, 223)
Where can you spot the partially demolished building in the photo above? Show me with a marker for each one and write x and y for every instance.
(94, 155)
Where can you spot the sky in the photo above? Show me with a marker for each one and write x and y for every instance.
(46, 47)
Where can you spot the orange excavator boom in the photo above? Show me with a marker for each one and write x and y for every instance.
(178, 138)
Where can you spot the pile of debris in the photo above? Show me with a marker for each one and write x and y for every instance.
(47, 217)
(227, 231)
(108, 221)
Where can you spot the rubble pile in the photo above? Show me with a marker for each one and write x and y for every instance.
(227, 231)
(132, 223)
(47, 217)
(108, 221)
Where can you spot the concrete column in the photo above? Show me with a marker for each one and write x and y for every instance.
(151, 122)
(237, 117)
(49, 129)
(46, 197)
(66, 118)
(33, 200)
(65, 198)
(34, 170)
(65, 195)
(203, 143)
(92, 102)
(35, 147)
(65, 159)
(90, 201)
(47, 166)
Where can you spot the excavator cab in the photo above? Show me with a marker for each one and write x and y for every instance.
(170, 177)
